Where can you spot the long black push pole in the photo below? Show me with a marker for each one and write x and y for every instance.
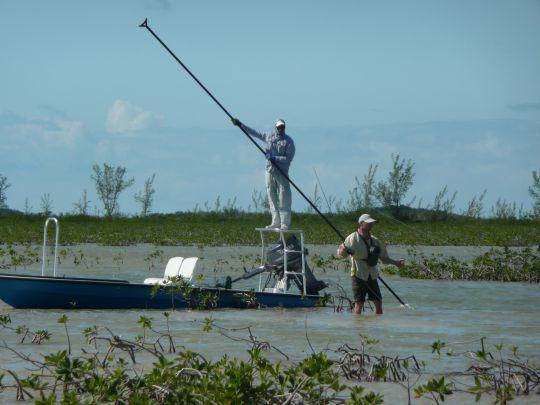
(144, 24)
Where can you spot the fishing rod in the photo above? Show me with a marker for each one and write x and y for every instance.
(144, 24)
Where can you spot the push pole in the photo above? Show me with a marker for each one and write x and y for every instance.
(144, 24)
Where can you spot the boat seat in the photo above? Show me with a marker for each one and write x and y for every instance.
(187, 269)
(179, 267)
(171, 270)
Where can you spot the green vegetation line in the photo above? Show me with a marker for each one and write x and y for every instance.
(218, 229)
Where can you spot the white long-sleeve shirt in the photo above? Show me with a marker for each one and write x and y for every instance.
(280, 146)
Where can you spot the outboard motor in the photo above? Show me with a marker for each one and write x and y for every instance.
(276, 258)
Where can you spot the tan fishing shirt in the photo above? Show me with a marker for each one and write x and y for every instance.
(359, 266)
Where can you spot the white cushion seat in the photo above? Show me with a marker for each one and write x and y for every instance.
(171, 270)
(176, 267)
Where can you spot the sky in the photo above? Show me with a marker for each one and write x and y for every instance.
(452, 86)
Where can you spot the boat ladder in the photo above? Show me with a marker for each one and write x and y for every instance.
(286, 252)
(43, 261)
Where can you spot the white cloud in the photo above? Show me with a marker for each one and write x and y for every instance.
(41, 132)
(489, 145)
(65, 133)
(126, 118)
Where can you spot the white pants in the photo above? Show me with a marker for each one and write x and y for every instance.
(278, 189)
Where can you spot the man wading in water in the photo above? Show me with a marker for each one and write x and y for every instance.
(365, 251)
(280, 152)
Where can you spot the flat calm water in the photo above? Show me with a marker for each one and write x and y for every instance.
(458, 313)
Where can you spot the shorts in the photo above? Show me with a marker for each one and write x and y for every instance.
(361, 288)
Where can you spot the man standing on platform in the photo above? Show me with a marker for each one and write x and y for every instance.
(279, 154)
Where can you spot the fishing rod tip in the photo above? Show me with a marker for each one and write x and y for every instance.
(144, 23)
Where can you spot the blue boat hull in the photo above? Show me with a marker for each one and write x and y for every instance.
(39, 292)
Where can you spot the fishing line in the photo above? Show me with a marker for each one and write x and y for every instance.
(430, 237)
(322, 191)
(144, 24)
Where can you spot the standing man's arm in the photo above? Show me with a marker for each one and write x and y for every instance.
(344, 249)
(398, 263)
(255, 133)
(249, 130)
(387, 259)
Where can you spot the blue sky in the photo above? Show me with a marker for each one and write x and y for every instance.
(453, 86)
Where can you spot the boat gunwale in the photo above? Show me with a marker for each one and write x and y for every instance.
(99, 281)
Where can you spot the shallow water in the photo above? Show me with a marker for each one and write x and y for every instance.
(450, 311)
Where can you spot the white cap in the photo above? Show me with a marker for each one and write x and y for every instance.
(280, 123)
(366, 218)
